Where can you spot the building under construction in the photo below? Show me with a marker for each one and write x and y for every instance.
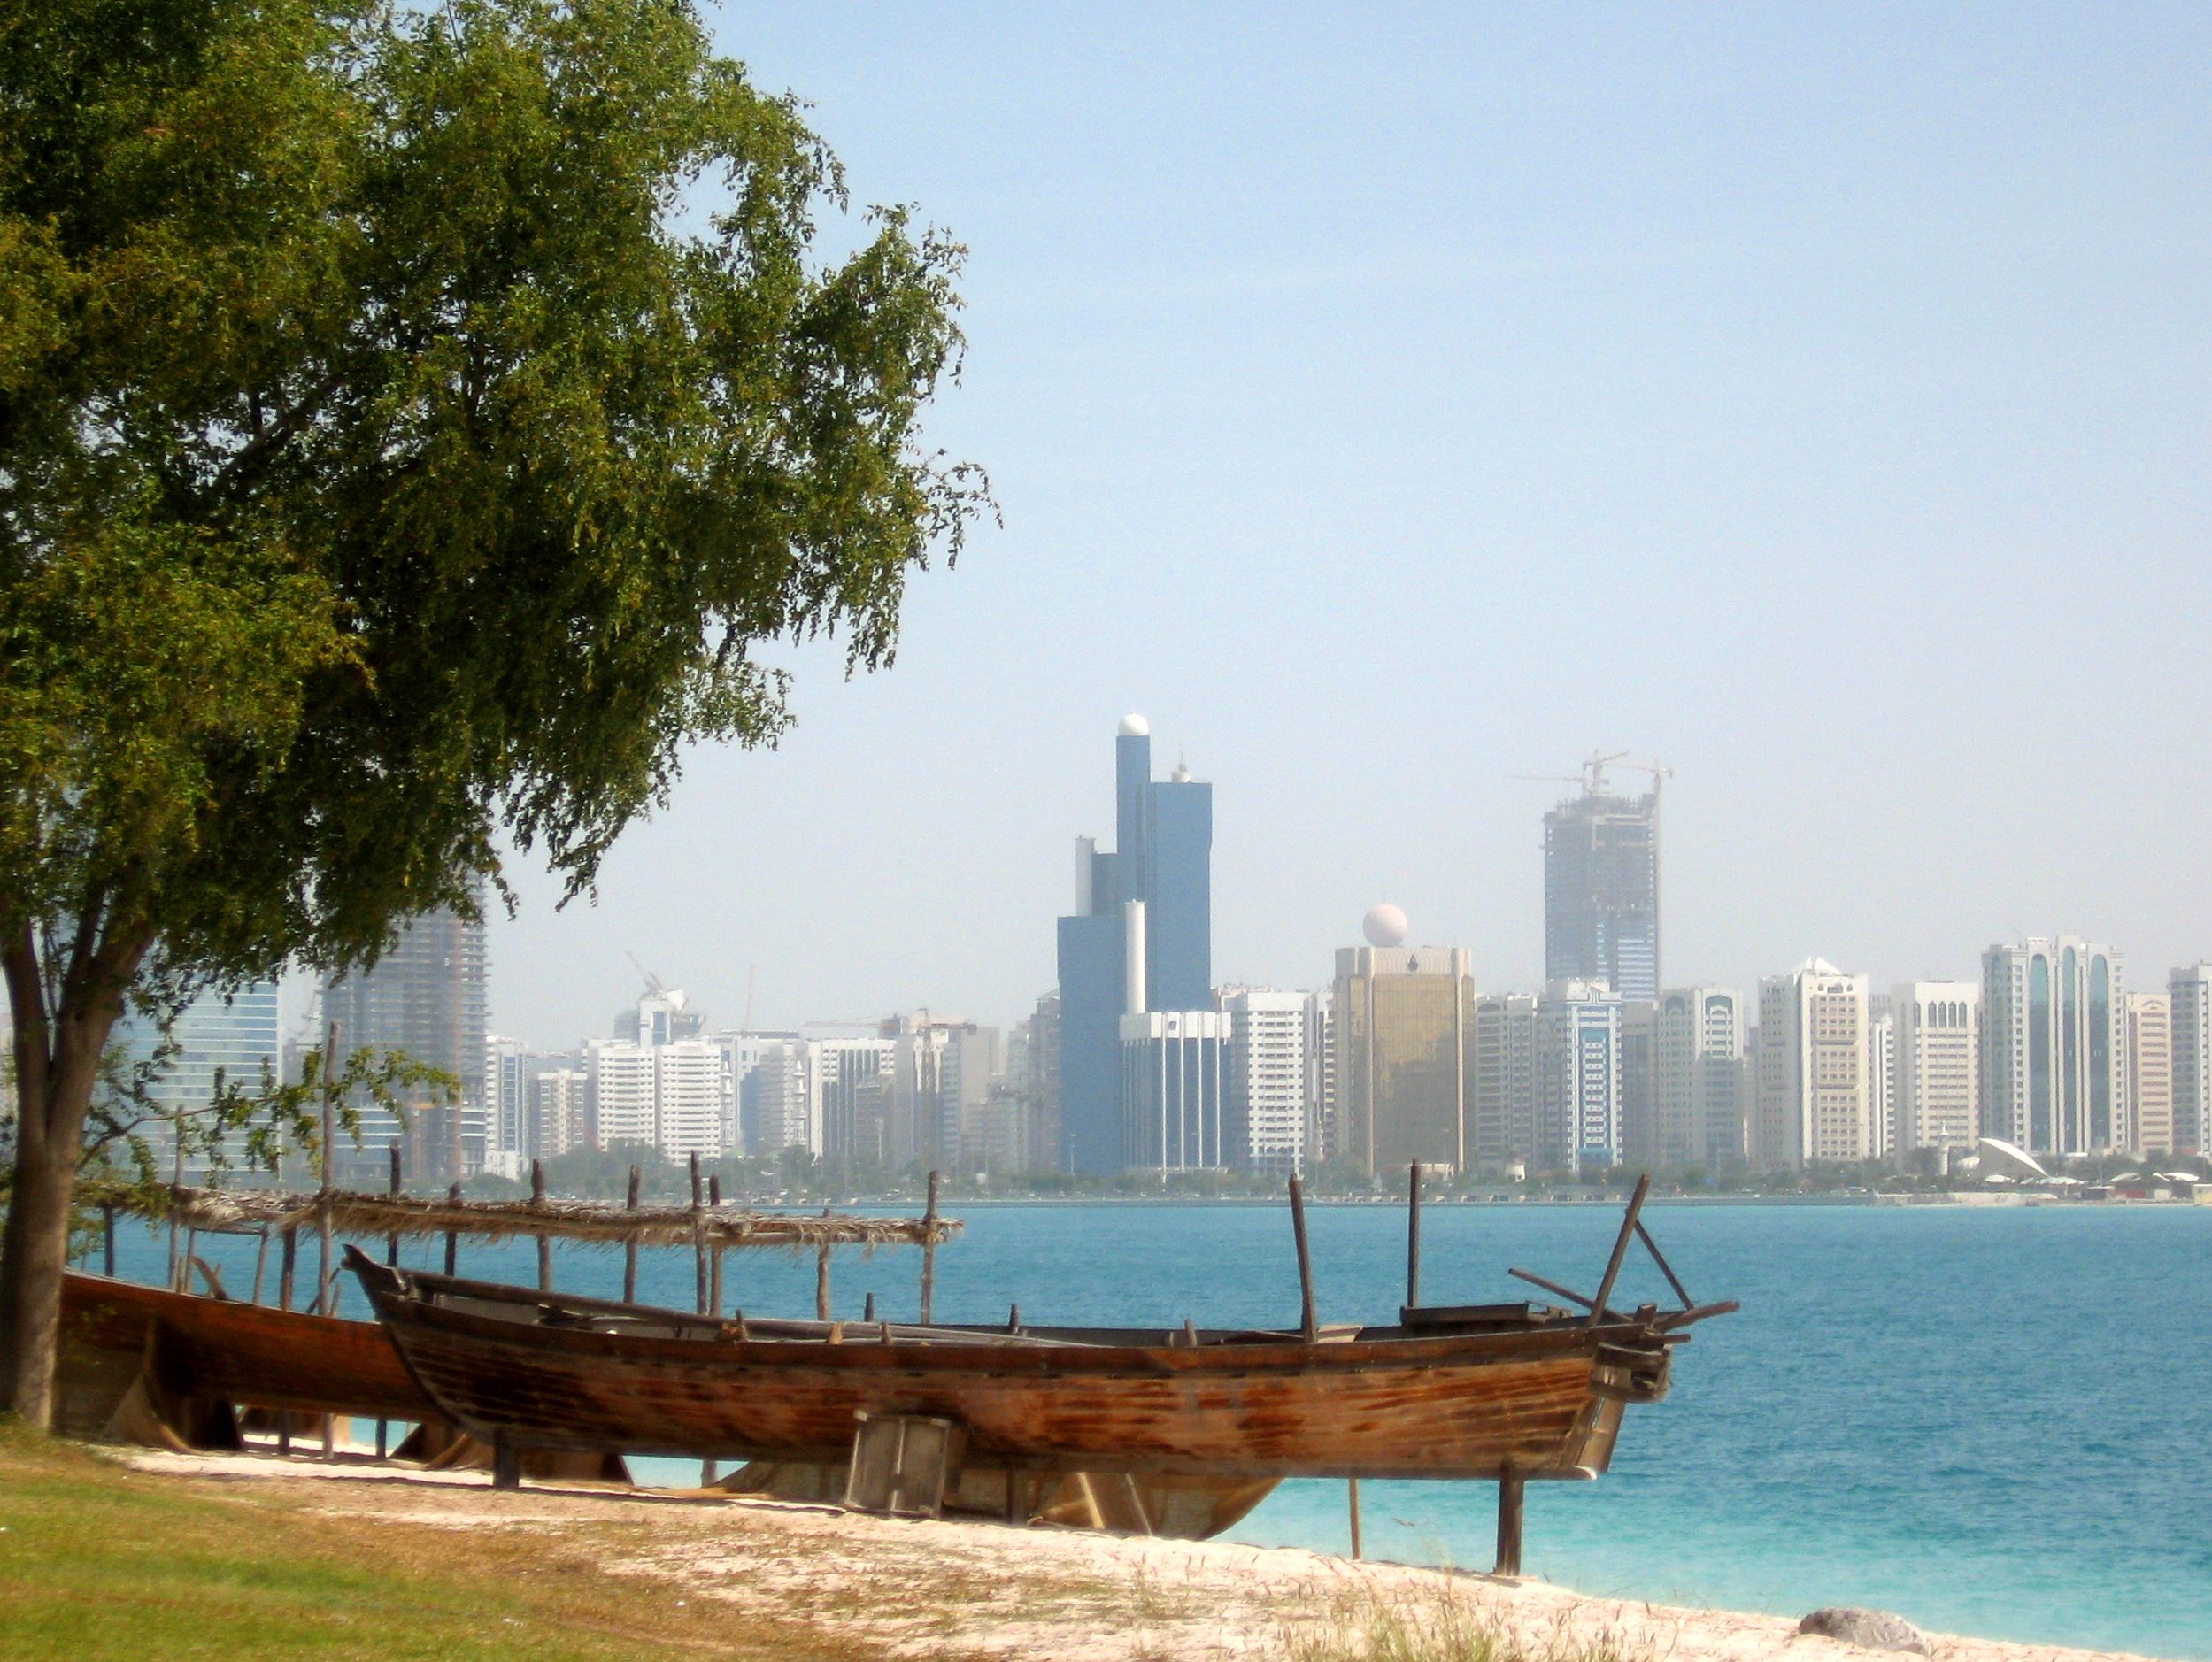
(1601, 886)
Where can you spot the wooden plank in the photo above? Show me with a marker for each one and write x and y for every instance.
(1413, 1240)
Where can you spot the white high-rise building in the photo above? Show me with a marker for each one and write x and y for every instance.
(1505, 1078)
(506, 1097)
(1697, 1077)
(1935, 1099)
(560, 1114)
(622, 1080)
(1579, 1076)
(1173, 1083)
(2189, 995)
(2054, 1077)
(691, 1098)
(1881, 1074)
(1268, 1084)
(2150, 1070)
(1813, 1103)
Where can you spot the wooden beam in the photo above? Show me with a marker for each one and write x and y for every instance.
(929, 1251)
(1308, 1323)
(1665, 1268)
(1620, 1250)
(1413, 1239)
(1510, 1497)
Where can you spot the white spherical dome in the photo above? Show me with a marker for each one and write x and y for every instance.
(1135, 727)
(1384, 926)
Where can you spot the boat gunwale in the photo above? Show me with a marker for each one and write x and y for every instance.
(963, 1350)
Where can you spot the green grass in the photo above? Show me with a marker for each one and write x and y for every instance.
(98, 1561)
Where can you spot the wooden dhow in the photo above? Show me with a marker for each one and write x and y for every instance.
(1506, 1392)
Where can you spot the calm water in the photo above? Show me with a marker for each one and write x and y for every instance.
(1995, 1422)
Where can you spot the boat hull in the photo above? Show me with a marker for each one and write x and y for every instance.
(1541, 1403)
(221, 1351)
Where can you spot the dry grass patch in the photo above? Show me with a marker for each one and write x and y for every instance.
(1450, 1624)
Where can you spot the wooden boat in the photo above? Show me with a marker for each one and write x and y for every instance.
(1488, 1392)
(193, 1360)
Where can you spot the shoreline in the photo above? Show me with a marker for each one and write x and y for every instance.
(920, 1587)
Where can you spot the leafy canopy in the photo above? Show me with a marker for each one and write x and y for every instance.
(411, 421)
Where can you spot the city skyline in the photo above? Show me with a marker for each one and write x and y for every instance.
(1787, 461)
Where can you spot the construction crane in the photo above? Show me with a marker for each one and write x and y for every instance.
(1593, 777)
(653, 983)
(1656, 768)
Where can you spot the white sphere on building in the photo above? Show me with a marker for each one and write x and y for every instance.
(1384, 926)
(1135, 727)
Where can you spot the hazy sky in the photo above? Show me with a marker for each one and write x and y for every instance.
(1387, 402)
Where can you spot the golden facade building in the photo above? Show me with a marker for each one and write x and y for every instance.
(1405, 1043)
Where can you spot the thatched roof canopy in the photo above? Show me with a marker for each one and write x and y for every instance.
(606, 1222)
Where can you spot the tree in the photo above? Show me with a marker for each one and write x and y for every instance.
(411, 422)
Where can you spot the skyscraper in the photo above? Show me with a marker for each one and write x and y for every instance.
(1505, 1078)
(2053, 1065)
(1268, 1088)
(1938, 1098)
(429, 996)
(1578, 1077)
(235, 1035)
(1601, 890)
(1175, 1068)
(2189, 996)
(1404, 1054)
(1140, 938)
(2150, 1067)
(1813, 1097)
(1697, 1077)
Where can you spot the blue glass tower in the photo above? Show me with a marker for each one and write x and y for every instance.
(1164, 832)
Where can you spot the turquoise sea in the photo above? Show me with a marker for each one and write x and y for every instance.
(1993, 1421)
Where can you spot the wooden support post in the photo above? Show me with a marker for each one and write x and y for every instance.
(868, 1314)
(506, 1463)
(544, 1242)
(714, 1265)
(391, 1240)
(326, 1268)
(260, 1263)
(1620, 1250)
(821, 1278)
(176, 1181)
(1509, 1499)
(629, 1248)
(929, 1250)
(1352, 1490)
(1308, 1324)
(698, 1234)
(453, 1237)
(1014, 1318)
(184, 1269)
(1413, 1239)
(284, 1273)
(107, 1235)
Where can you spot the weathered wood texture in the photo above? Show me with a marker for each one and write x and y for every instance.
(1547, 1400)
(224, 1350)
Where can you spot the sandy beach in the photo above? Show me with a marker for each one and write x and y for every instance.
(922, 1588)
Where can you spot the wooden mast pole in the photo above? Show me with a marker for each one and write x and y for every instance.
(629, 1248)
(714, 1266)
(391, 1256)
(822, 1277)
(1413, 1239)
(698, 1233)
(929, 1250)
(544, 1241)
(1309, 1325)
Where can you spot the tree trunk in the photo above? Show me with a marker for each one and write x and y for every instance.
(58, 1064)
(31, 1263)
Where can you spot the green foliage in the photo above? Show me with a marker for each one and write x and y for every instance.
(387, 456)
